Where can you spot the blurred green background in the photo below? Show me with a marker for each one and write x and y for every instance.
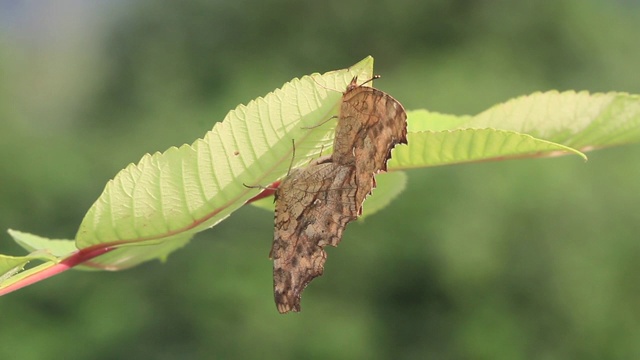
(531, 259)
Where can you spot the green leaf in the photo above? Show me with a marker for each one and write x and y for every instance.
(575, 119)
(166, 198)
(388, 186)
(267, 203)
(17, 274)
(32, 243)
(540, 124)
(579, 120)
(49, 251)
(57, 249)
(423, 120)
(10, 265)
(429, 148)
(132, 254)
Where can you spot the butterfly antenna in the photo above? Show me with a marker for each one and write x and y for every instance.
(370, 80)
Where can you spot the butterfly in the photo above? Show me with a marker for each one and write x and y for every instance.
(315, 203)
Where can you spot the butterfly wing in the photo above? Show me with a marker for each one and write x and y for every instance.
(313, 206)
(371, 123)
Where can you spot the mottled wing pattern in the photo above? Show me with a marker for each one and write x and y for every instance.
(313, 206)
(371, 123)
(352, 126)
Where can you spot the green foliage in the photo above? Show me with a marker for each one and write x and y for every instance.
(153, 208)
(523, 259)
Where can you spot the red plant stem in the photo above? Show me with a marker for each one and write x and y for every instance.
(74, 259)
